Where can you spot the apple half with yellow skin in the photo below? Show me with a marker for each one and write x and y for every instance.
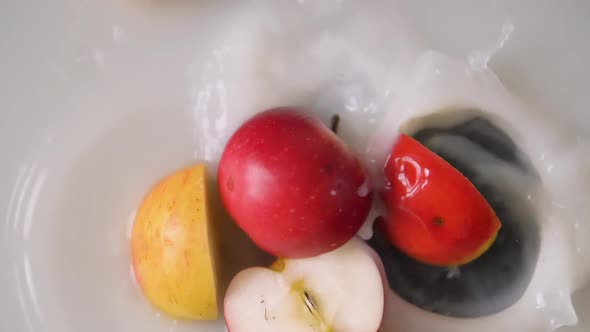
(340, 291)
(172, 249)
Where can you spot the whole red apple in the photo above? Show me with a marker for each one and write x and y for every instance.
(292, 185)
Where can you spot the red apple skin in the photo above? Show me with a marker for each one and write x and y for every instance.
(436, 215)
(292, 185)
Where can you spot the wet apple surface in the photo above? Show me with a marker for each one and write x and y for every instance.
(292, 185)
(434, 213)
(493, 163)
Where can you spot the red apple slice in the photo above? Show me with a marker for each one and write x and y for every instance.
(436, 215)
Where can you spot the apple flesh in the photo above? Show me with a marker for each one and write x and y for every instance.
(338, 291)
(172, 250)
(292, 185)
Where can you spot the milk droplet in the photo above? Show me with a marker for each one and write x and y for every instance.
(130, 221)
(540, 301)
(453, 272)
(479, 60)
(133, 278)
(366, 231)
(116, 33)
(363, 190)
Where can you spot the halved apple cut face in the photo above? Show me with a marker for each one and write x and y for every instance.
(338, 291)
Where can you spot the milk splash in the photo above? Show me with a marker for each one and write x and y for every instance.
(439, 83)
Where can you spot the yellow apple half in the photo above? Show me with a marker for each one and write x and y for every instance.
(172, 249)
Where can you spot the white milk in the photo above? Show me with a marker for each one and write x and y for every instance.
(149, 88)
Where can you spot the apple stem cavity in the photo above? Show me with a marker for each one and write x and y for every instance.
(334, 122)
